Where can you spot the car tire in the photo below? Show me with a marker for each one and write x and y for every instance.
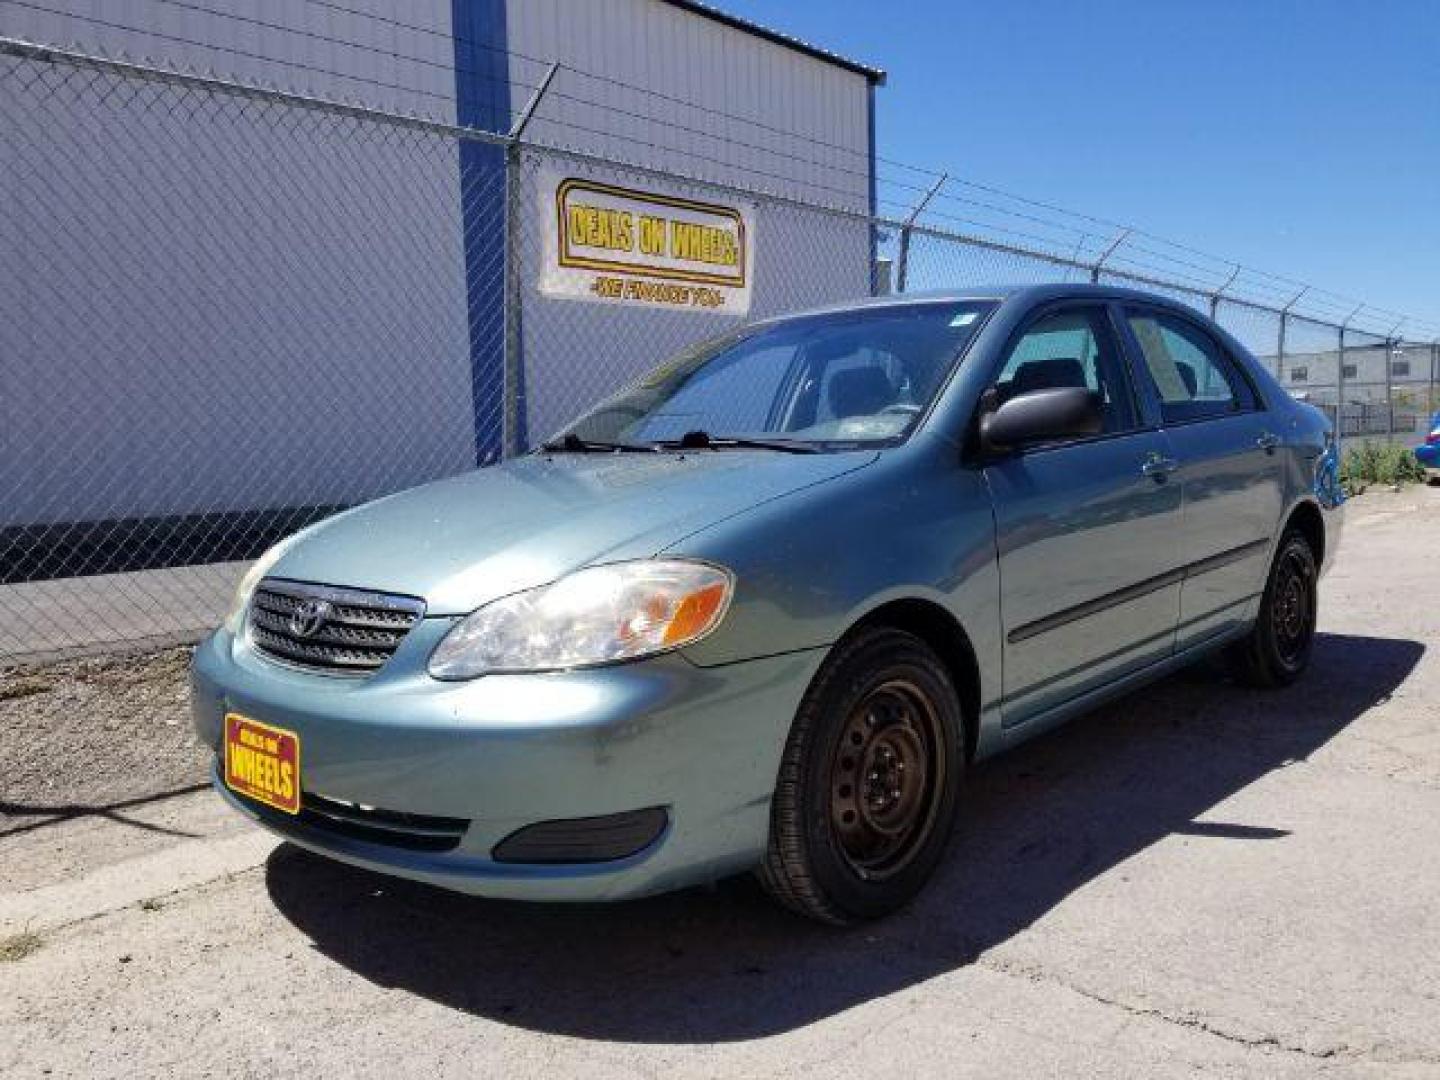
(1277, 650)
(868, 782)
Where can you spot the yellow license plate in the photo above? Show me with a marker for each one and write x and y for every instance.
(262, 762)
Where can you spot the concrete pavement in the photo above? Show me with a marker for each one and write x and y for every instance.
(1198, 879)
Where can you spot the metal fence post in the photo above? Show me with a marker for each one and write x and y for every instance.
(511, 437)
(1397, 344)
(513, 422)
(902, 268)
(1280, 346)
(1340, 388)
(1430, 402)
(1284, 324)
(1391, 345)
(1099, 263)
(1215, 296)
(1340, 378)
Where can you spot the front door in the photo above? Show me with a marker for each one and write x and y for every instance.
(1087, 530)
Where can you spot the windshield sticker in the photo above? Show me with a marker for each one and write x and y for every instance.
(964, 318)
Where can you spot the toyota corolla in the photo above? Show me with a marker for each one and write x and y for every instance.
(763, 609)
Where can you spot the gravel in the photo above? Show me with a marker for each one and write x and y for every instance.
(95, 731)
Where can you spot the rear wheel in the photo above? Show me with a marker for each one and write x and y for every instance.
(1277, 649)
(868, 782)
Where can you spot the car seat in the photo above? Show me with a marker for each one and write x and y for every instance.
(860, 391)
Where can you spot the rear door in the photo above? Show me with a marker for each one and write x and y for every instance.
(1229, 470)
(1087, 530)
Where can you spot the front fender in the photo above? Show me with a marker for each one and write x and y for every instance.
(916, 525)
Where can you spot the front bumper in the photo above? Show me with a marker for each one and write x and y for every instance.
(507, 751)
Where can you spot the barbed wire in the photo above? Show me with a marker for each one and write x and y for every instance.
(1071, 234)
(610, 80)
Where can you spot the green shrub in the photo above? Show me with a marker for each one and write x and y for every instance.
(1379, 463)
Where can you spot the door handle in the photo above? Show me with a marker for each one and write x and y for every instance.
(1268, 442)
(1159, 467)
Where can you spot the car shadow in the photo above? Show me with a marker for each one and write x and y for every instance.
(726, 964)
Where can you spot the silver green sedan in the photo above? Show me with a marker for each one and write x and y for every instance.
(764, 608)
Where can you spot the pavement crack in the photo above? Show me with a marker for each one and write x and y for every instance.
(1195, 1022)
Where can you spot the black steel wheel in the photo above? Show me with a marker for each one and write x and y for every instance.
(1277, 649)
(886, 775)
(869, 781)
(1292, 607)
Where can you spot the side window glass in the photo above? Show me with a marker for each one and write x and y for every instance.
(1071, 347)
(1193, 375)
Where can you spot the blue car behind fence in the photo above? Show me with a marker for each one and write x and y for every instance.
(1428, 452)
(763, 609)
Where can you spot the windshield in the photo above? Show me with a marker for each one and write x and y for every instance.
(862, 376)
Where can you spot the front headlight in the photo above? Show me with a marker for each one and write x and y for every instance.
(596, 616)
(235, 619)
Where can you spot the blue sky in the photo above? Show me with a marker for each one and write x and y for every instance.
(1300, 137)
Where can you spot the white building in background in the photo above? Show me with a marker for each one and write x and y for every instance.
(1413, 369)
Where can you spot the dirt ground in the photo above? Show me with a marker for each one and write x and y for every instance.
(1197, 879)
(96, 731)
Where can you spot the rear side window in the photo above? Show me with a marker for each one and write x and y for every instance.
(1194, 376)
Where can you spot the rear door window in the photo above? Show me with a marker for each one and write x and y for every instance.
(1194, 377)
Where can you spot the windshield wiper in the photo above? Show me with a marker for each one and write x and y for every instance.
(570, 443)
(703, 440)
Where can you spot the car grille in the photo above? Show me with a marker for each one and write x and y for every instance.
(330, 630)
(413, 832)
(355, 821)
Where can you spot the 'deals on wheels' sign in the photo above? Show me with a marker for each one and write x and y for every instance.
(620, 245)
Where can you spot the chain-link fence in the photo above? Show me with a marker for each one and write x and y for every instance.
(225, 315)
(228, 311)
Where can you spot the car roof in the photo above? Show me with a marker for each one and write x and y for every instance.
(1026, 295)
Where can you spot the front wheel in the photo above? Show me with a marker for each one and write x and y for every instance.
(868, 782)
(1277, 650)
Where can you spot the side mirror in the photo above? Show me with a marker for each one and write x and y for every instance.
(1062, 412)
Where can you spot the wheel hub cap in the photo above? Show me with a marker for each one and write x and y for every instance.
(884, 779)
(894, 779)
(1291, 615)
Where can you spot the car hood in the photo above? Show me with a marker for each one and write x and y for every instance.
(465, 541)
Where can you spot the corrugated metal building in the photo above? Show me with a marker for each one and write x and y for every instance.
(158, 298)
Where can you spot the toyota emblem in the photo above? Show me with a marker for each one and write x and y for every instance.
(309, 617)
